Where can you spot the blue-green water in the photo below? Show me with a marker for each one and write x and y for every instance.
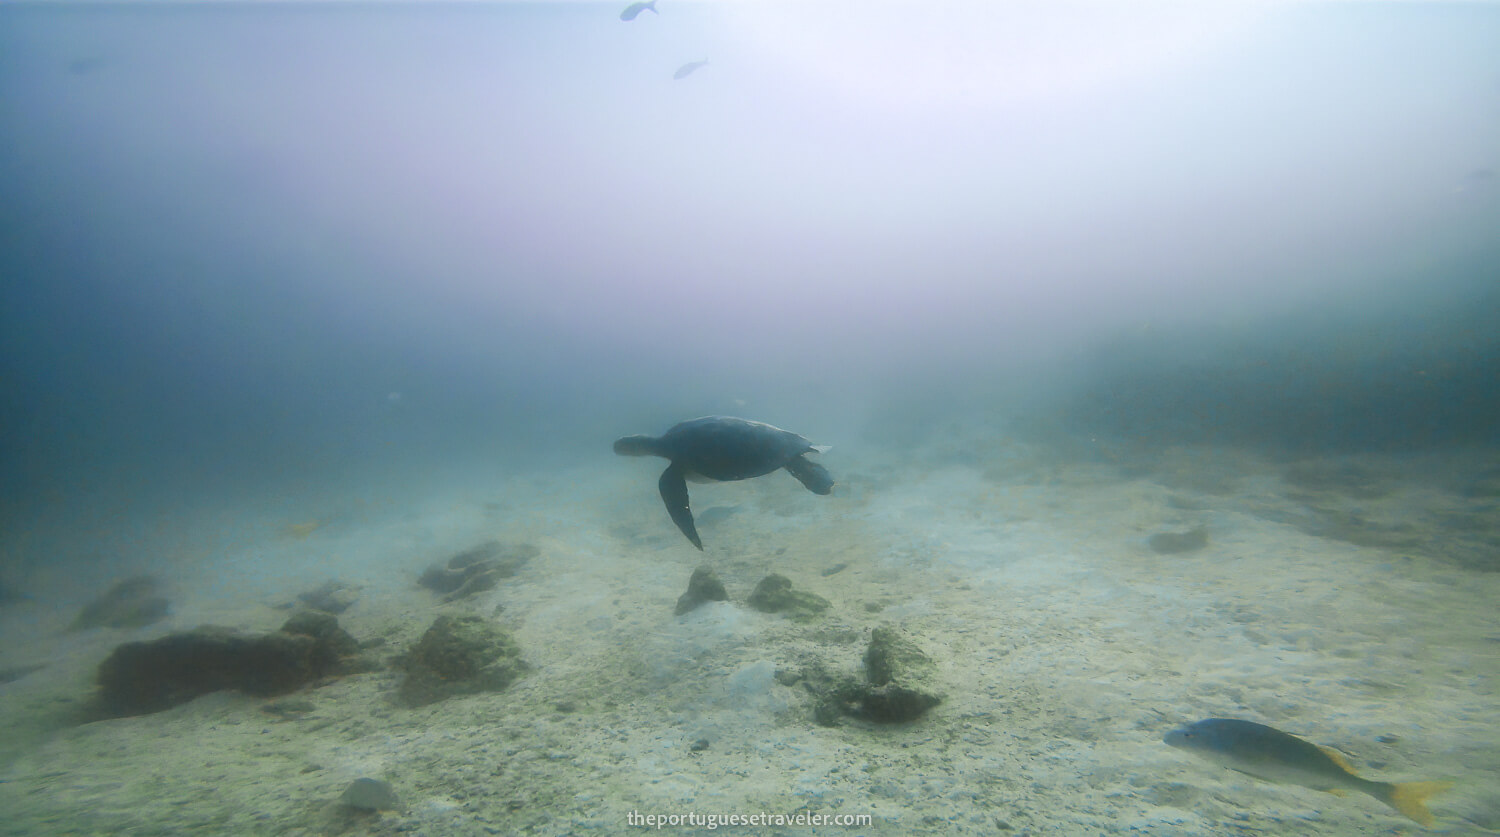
(297, 291)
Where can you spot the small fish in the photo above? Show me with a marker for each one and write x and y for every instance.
(1270, 754)
(302, 530)
(636, 8)
(687, 69)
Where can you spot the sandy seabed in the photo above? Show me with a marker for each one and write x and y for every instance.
(1347, 601)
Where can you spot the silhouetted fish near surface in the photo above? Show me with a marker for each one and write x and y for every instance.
(1275, 756)
(636, 8)
(687, 69)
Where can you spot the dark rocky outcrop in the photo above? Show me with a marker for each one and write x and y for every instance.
(477, 569)
(703, 586)
(892, 657)
(898, 686)
(890, 704)
(459, 655)
(143, 677)
(367, 794)
(774, 594)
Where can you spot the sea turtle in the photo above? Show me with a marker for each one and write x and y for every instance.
(720, 449)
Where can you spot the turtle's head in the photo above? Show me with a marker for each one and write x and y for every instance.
(636, 446)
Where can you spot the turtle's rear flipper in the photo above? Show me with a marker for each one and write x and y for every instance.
(674, 493)
(811, 474)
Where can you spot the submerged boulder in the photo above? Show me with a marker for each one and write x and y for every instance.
(899, 684)
(901, 679)
(890, 704)
(774, 594)
(459, 655)
(892, 657)
(703, 586)
(366, 794)
(143, 677)
(477, 569)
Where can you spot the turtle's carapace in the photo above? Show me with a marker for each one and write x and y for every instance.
(722, 449)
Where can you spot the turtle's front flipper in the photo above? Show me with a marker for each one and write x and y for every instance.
(674, 493)
(811, 474)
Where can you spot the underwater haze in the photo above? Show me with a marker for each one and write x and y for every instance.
(300, 290)
(305, 237)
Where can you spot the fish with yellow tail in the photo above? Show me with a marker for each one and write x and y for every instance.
(1270, 754)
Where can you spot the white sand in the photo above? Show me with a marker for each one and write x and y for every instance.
(1067, 648)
